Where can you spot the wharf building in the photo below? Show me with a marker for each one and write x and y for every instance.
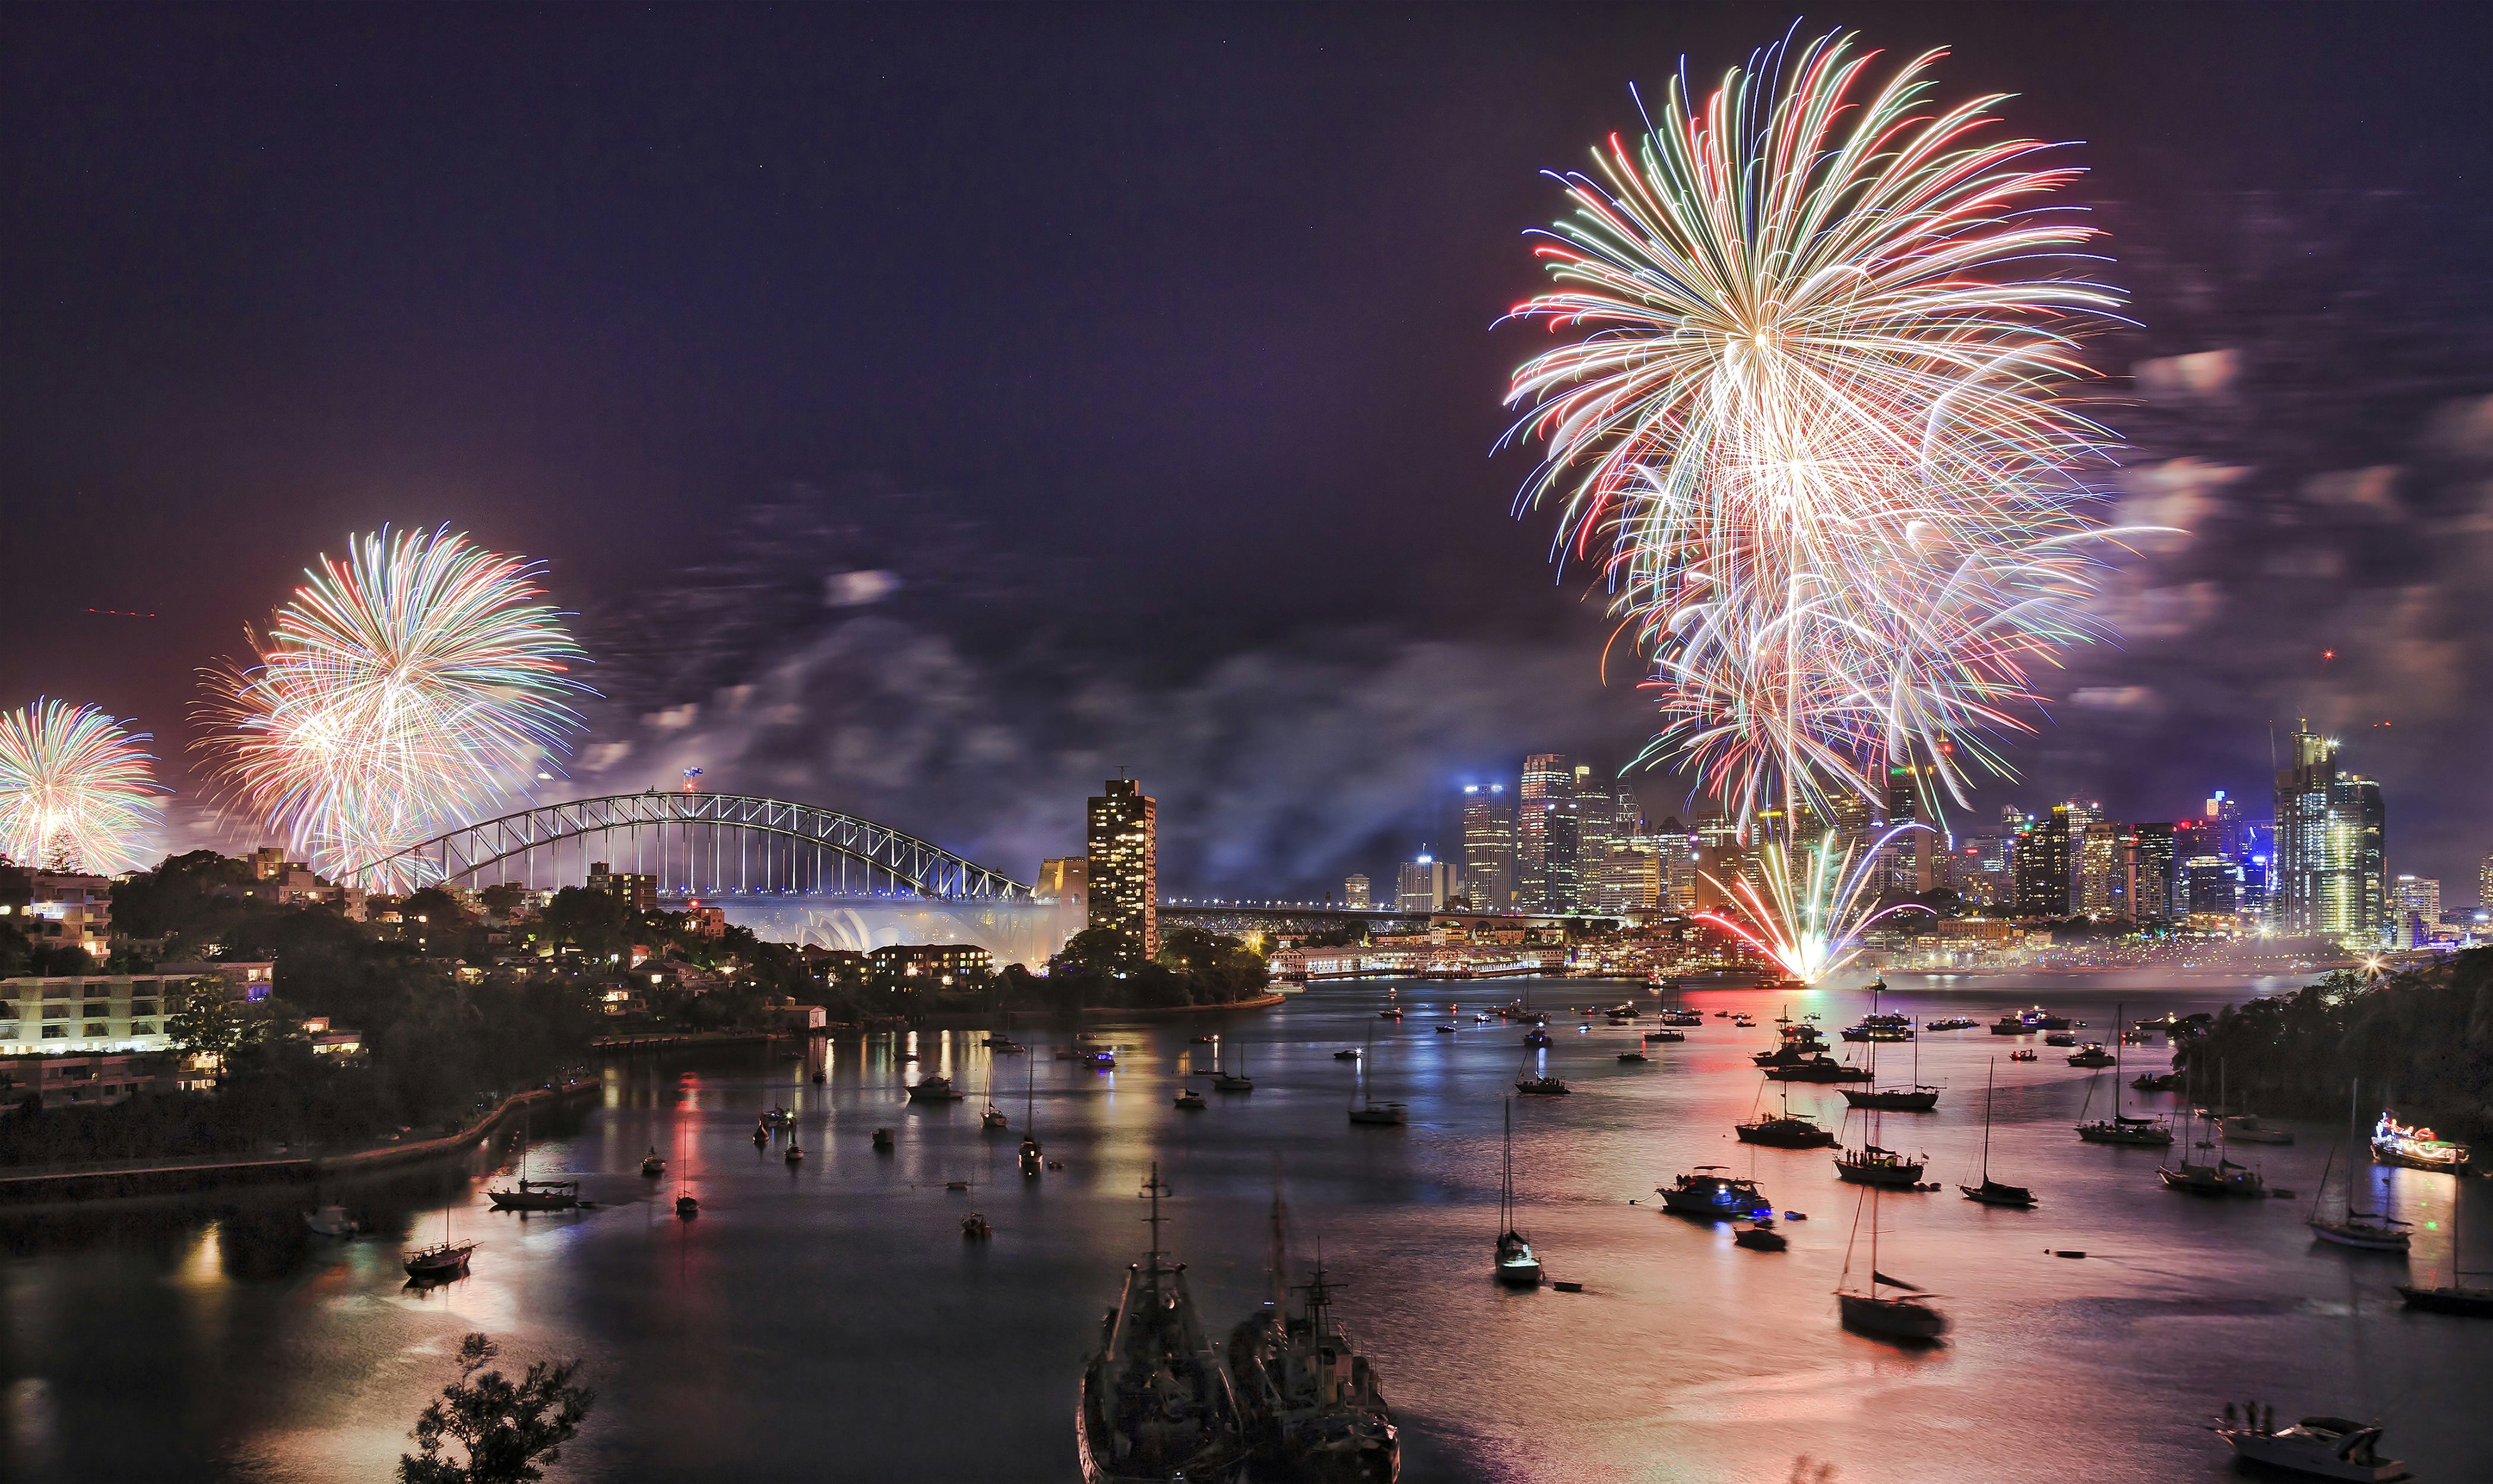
(1124, 839)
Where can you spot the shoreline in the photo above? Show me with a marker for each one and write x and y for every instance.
(145, 1179)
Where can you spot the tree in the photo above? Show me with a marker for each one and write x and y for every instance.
(504, 1430)
(202, 1022)
(503, 898)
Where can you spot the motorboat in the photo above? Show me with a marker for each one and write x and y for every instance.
(1951, 1023)
(2028, 1053)
(934, 1088)
(1634, 1056)
(1191, 1100)
(883, 1139)
(780, 1118)
(993, 1120)
(2415, 1148)
(1760, 1235)
(686, 1205)
(1154, 1403)
(1540, 1086)
(2090, 1055)
(1879, 1028)
(2040, 1018)
(1346, 1053)
(2060, 1038)
(2010, 1026)
(1659, 1037)
(975, 1227)
(1379, 1114)
(651, 1164)
(795, 1154)
(2319, 1448)
(330, 1221)
(1536, 1037)
(1712, 1196)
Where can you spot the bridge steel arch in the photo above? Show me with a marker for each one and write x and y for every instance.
(685, 836)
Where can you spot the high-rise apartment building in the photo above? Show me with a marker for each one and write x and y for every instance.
(2047, 862)
(2103, 870)
(1125, 865)
(1488, 846)
(2332, 839)
(2415, 908)
(1547, 785)
(1355, 891)
(2151, 878)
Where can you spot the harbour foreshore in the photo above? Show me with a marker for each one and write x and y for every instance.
(117, 1180)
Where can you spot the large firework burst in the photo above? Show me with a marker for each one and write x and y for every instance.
(77, 793)
(1811, 414)
(402, 690)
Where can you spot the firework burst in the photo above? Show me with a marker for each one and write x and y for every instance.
(1809, 413)
(1814, 905)
(76, 793)
(402, 690)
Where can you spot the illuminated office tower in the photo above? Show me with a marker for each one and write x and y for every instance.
(1125, 866)
(2332, 839)
(1675, 860)
(1488, 846)
(2414, 909)
(2485, 882)
(1596, 830)
(1427, 885)
(1355, 891)
(2047, 862)
(1547, 782)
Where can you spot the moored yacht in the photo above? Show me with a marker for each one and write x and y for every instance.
(2415, 1148)
(1516, 1265)
(2320, 1447)
(1705, 1192)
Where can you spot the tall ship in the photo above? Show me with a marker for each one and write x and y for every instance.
(1311, 1406)
(1156, 1404)
(2415, 1148)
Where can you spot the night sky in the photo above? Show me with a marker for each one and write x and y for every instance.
(929, 411)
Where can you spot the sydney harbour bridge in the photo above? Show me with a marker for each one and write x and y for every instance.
(792, 872)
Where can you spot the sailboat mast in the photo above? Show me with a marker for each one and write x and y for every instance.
(1986, 1118)
(2351, 1089)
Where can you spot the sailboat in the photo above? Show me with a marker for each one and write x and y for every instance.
(2120, 1128)
(1991, 1192)
(1919, 1097)
(1226, 1081)
(2195, 1177)
(992, 1121)
(1894, 1315)
(1517, 1266)
(651, 1164)
(442, 1261)
(2364, 1231)
(1156, 1404)
(1030, 1152)
(1363, 1107)
(536, 1195)
(1872, 1164)
(1790, 1131)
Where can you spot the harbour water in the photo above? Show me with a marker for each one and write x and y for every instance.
(827, 1322)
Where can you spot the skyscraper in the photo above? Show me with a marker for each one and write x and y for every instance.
(1125, 865)
(1675, 858)
(2046, 859)
(2415, 908)
(2332, 843)
(1547, 783)
(1427, 885)
(1596, 830)
(1354, 891)
(2103, 870)
(2151, 879)
(2485, 882)
(1488, 846)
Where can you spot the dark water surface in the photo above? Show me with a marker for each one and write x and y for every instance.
(829, 1322)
